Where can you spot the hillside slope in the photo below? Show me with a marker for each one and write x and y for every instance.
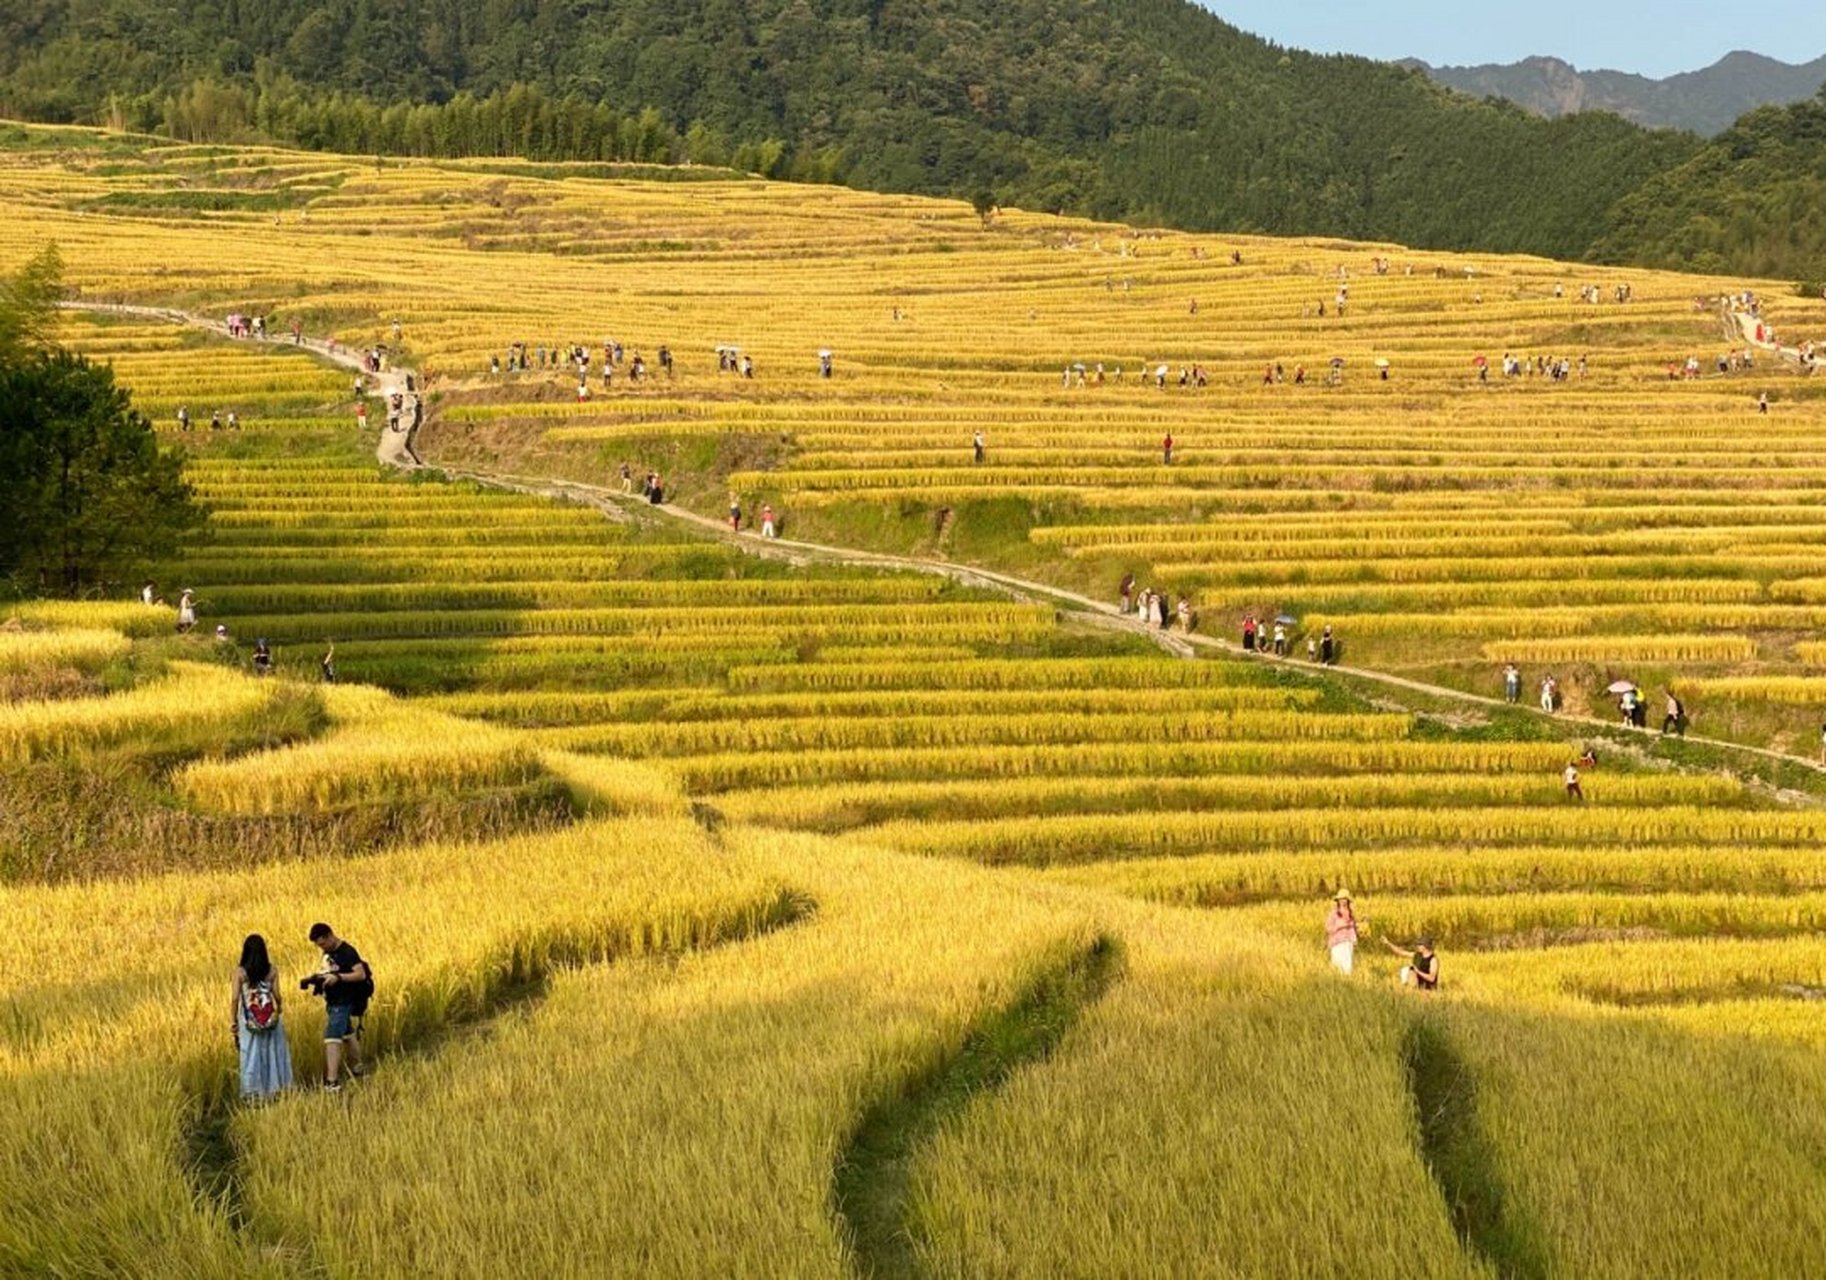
(1149, 110)
(1753, 201)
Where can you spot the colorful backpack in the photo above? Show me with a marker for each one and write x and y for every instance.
(260, 1011)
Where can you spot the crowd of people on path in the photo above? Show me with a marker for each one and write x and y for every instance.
(1156, 609)
(1553, 368)
(1160, 373)
(343, 981)
(253, 327)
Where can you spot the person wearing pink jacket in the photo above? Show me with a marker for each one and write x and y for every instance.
(1341, 932)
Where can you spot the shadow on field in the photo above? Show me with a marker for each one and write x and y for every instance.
(874, 1167)
(1459, 1155)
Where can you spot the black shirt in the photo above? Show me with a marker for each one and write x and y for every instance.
(1426, 971)
(346, 994)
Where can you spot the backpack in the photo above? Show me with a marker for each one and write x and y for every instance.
(259, 1010)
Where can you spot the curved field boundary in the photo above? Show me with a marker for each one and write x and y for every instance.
(394, 449)
(874, 1171)
(513, 984)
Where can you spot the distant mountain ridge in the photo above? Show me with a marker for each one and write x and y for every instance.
(1706, 102)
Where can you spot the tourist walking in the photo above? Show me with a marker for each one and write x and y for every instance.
(980, 445)
(1328, 647)
(187, 611)
(1574, 791)
(1512, 683)
(258, 1025)
(767, 520)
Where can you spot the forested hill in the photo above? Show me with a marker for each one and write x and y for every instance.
(1753, 201)
(1149, 110)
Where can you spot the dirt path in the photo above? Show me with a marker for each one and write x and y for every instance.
(394, 449)
(1745, 325)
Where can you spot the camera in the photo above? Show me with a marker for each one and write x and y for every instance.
(313, 983)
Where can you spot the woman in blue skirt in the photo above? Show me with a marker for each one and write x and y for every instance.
(266, 1059)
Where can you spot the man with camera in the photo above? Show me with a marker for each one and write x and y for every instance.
(346, 986)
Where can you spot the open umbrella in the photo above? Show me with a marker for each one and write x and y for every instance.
(1286, 619)
(1620, 686)
(1382, 364)
(824, 353)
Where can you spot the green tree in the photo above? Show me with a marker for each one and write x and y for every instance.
(89, 495)
(984, 204)
(28, 305)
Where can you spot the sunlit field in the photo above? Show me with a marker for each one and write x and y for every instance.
(740, 914)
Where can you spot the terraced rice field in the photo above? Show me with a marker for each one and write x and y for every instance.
(790, 917)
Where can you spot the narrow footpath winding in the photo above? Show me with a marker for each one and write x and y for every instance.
(394, 449)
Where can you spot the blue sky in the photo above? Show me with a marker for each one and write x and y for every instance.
(1651, 39)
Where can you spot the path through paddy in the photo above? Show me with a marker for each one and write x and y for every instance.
(394, 449)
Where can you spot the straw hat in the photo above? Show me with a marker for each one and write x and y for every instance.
(1342, 895)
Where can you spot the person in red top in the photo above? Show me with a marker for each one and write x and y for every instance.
(1341, 932)
(1166, 450)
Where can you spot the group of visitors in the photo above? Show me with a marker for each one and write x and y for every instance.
(261, 661)
(1631, 705)
(1553, 368)
(1161, 373)
(769, 522)
(216, 421)
(245, 326)
(1155, 609)
(1256, 637)
(1344, 929)
(1594, 294)
(345, 984)
(523, 357)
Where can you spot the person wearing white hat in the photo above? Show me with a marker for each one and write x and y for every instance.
(1341, 932)
(187, 610)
